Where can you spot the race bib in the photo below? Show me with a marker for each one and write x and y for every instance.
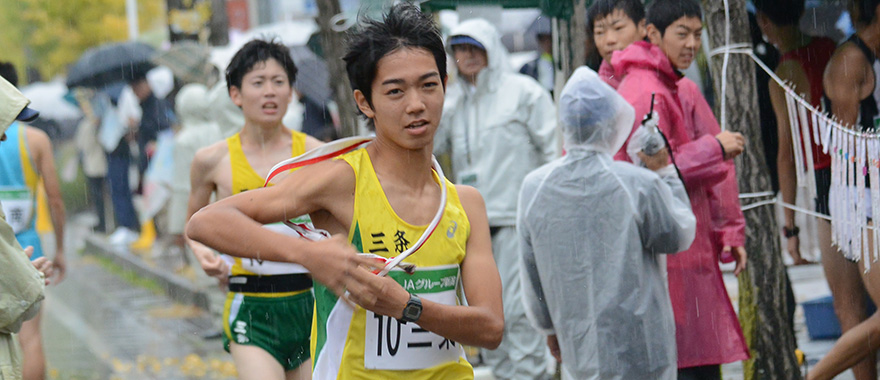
(18, 205)
(392, 345)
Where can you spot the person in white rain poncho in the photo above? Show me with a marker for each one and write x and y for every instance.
(197, 131)
(498, 126)
(590, 230)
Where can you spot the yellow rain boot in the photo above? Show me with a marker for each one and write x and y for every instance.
(147, 238)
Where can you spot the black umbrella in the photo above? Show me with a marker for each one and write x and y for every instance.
(110, 63)
(312, 77)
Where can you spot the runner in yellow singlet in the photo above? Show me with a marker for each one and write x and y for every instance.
(268, 310)
(380, 200)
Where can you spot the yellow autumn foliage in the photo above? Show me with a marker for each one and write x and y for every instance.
(49, 35)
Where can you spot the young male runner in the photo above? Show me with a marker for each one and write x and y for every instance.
(268, 311)
(851, 81)
(379, 199)
(26, 159)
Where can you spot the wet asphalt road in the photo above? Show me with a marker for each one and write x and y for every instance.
(100, 324)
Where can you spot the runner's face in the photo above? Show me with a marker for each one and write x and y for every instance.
(615, 32)
(680, 42)
(264, 94)
(407, 98)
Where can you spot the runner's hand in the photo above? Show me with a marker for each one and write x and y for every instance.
(794, 250)
(334, 263)
(733, 143)
(44, 266)
(553, 345)
(216, 267)
(739, 254)
(59, 264)
(212, 264)
(381, 295)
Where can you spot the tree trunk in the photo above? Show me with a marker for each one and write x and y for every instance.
(569, 44)
(219, 24)
(762, 300)
(333, 46)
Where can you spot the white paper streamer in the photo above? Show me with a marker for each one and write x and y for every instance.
(794, 124)
(874, 172)
(860, 238)
(807, 147)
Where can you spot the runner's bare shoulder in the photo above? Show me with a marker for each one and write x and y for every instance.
(471, 200)
(848, 68)
(208, 159)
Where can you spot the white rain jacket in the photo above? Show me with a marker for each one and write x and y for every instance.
(499, 132)
(197, 131)
(590, 230)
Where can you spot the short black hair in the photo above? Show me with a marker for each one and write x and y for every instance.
(866, 10)
(404, 26)
(634, 9)
(255, 52)
(663, 13)
(7, 71)
(781, 12)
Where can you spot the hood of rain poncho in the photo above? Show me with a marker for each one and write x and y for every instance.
(592, 115)
(486, 34)
(225, 113)
(191, 104)
(12, 102)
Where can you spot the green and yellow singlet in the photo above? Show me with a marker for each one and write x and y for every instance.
(358, 344)
(244, 178)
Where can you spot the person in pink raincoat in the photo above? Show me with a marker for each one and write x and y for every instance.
(707, 330)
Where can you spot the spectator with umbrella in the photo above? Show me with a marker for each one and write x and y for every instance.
(107, 68)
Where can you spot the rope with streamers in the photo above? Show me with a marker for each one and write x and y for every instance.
(855, 155)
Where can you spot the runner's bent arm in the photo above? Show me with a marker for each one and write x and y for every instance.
(481, 322)
(201, 187)
(234, 225)
(790, 71)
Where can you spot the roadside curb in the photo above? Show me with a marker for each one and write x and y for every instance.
(176, 287)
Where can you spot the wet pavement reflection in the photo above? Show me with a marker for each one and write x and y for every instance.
(101, 324)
